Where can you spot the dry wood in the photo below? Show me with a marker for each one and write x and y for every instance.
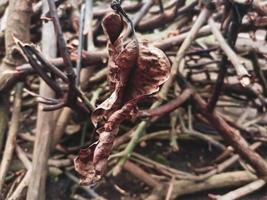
(19, 16)
(228, 179)
(45, 122)
(141, 174)
(239, 66)
(245, 190)
(12, 133)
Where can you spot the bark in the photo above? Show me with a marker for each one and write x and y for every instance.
(18, 18)
(45, 122)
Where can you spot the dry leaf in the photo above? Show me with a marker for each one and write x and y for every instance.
(136, 70)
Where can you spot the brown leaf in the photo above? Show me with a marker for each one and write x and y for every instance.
(136, 70)
(84, 166)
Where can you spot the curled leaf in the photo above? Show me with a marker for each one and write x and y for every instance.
(85, 168)
(136, 70)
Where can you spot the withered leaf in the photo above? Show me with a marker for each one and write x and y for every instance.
(136, 70)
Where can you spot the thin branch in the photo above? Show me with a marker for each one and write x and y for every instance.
(229, 133)
(170, 106)
(61, 41)
(141, 174)
(231, 32)
(243, 191)
(11, 137)
(228, 179)
(241, 71)
(80, 47)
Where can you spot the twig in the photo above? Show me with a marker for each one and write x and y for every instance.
(170, 189)
(60, 126)
(86, 73)
(45, 123)
(100, 12)
(170, 106)
(228, 179)
(26, 179)
(91, 58)
(176, 40)
(243, 191)
(241, 71)
(89, 24)
(23, 157)
(202, 18)
(80, 46)
(164, 18)
(233, 136)
(160, 167)
(60, 163)
(130, 147)
(173, 132)
(229, 133)
(231, 32)
(48, 71)
(137, 18)
(61, 41)
(222, 166)
(4, 104)
(11, 137)
(73, 92)
(141, 174)
(23, 184)
(197, 134)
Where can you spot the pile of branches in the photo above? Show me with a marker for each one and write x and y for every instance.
(83, 84)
